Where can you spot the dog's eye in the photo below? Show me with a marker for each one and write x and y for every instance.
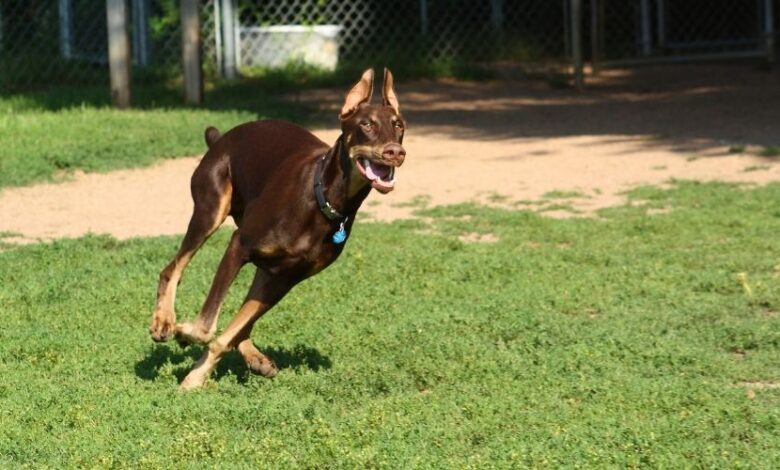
(398, 125)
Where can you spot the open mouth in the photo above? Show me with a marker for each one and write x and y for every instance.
(382, 177)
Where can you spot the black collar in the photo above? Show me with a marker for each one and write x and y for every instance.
(326, 208)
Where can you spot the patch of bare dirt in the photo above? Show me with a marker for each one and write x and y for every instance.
(510, 144)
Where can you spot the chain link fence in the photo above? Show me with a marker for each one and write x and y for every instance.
(407, 31)
(675, 30)
(46, 43)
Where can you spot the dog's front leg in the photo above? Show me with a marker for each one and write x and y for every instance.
(265, 293)
(202, 329)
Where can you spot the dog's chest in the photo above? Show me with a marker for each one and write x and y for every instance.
(306, 255)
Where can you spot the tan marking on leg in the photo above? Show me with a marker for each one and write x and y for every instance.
(167, 301)
(224, 207)
(194, 332)
(164, 316)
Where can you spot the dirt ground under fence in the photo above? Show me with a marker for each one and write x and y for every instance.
(511, 143)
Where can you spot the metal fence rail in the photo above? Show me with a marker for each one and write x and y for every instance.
(47, 43)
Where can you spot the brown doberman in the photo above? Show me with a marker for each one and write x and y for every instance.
(294, 199)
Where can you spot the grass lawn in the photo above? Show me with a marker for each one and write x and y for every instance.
(629, 341)
(46, 135)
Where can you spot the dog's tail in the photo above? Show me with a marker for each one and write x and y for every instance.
(212, 135)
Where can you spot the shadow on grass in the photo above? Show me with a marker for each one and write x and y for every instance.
(297, 357)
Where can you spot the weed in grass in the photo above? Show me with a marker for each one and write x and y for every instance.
(418, 202)
(559, 207)
(771, 151)
(738, 148)
(528, 202)
(659, 167)
(576, 342)
(751, 168)
(564, 195)
(496, 198)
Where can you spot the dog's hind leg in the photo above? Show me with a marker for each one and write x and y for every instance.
(265, 293)
(211, 194)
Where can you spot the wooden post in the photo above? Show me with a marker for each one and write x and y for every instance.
(118, 52)
(190, 49)
(576, 44)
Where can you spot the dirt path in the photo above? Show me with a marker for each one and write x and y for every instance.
(507, 143)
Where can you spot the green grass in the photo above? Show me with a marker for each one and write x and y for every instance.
(618, 342)
(45, 135)
(43, 145)
(770, 151)
(737, 148)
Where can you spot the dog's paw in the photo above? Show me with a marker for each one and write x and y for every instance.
(263, 366)
(257, 362)
(186, 334)
(194, 380)
(162, 327)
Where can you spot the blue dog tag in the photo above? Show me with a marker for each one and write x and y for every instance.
(340, 235)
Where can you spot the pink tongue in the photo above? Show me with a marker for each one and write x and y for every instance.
(374, 171)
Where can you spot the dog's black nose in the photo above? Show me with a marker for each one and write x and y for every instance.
(394, 153)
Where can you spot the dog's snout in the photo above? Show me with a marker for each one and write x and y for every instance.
(394, 153)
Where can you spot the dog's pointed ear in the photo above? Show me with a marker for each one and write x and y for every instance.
(360, 93)
(388, 93)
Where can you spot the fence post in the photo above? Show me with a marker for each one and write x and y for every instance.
(769, 32)
(141, 31)
(596, 36)
(497, 16)
(661, 20)
(424, 17)
(229, 38)
(218, 39)
(576, 43)
(118, 52)
(66, 39)
(646, 38)
(190, 51)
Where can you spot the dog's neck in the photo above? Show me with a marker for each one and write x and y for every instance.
(346, 189)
